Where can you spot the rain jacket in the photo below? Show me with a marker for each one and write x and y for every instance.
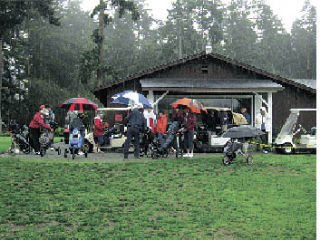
(189, 122)
(38, 122)
(150, 117)
(136, 119)
(162, 124)
(177, 116)
(98, 127)
(266, 119)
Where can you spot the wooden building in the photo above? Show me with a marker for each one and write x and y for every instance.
(218, 81)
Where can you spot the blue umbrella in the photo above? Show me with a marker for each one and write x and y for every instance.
(129, 97)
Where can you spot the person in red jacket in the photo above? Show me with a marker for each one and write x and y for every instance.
(161, 124)
(34, 126)
(99, 130)
(189, 122)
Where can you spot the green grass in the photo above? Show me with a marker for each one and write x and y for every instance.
(198, 198)
(5, 143)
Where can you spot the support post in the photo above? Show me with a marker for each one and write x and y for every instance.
(270, 113)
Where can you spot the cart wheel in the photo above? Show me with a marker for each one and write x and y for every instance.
(73, 153)
(250, 160)
(59, 151)
(42, 152)
(85, 153)
(226, 160)
(287, 148)
(65, 153)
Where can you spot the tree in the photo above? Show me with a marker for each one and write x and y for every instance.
(240, 38)
(12, 14)
(304, 43)
(106, 9)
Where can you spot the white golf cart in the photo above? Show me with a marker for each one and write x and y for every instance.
(117, 136)
(284, 142)
(208, 141)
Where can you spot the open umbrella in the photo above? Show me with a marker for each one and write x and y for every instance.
(79, 104)
(244, 131)
(194, 104)
(131, 98)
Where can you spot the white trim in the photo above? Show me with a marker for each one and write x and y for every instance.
(270, 114)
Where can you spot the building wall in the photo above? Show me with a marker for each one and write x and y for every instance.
(292, 97)
(216, 69)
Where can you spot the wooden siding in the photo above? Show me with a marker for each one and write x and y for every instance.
(292, 97)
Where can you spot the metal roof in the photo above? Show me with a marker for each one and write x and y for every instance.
(209, 85)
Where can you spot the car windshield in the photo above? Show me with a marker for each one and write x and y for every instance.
(290, 124)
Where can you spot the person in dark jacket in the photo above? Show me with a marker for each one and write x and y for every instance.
(136, 124)
(78, 123)
(224, 121)
(177, 116)
(34, 126)
(189, 123)
(246, 115)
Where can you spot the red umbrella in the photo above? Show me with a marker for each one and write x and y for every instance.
(79, 104)
(194, 105)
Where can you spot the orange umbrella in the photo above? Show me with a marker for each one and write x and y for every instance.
(195, 105)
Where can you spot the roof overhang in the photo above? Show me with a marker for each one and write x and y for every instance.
(209, 85)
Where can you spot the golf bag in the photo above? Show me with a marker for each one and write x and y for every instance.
(19, 137)
(171, 139)
(75, 143)
(233, 148)
(46, 139)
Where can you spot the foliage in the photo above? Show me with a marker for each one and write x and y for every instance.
(45, 63)
(275, 198)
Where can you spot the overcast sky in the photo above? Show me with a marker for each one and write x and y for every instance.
(286, 10)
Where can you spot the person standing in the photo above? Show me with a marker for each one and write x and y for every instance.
(177, 116)
(78, 123)
(224, 121)
(98, 132)
(136, 123)
(150, 118)
(263, 121)
(161, 124)
(35, 124)
(189, 123)
(246, 115)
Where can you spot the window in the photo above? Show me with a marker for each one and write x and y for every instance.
(204, 69)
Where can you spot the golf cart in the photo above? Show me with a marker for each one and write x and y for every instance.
(115, 133)
(208, 140)
(285, 143)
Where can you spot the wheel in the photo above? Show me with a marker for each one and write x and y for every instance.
(287, 148)
(250, 160)
(59, 151)
(65, 153)
(73, 153)
(42, 152)
(85, 153)
(179, 150)
(226, 160)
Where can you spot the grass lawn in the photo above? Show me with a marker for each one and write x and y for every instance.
(198, 198)
(5, 143)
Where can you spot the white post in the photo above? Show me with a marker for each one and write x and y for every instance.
(270, 113)
(150, 96)
(258, 105)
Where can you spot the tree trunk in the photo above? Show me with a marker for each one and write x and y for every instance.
(1, 71)
(100, 45)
